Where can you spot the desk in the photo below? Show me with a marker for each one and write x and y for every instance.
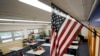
(40, 40)
(68, 55)
(30, 43)
(76, 42)
(38, 52)
(47, 37)
(46, 44)
(15, 48)
(73, 47)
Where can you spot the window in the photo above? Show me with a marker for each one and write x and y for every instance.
(30, 31)
(37, 36)
(18, 35)
(10, 36)
(6, 37)
(36, 31)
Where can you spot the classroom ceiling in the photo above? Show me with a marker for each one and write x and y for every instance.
(16, 10)
(13, 9)
(80, 9)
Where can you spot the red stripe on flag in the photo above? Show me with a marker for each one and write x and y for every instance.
(53, 43)
(51, 34)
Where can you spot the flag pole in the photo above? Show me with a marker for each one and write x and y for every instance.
(75, 19)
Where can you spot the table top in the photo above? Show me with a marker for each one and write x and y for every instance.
(30, 43)
(40, 39)
(47, 37)
(73, 47)
(68, 55)
(38, 52)
(46, 44)
(75, 42)
(15, 48)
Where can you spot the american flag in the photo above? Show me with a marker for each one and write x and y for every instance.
(64, 31)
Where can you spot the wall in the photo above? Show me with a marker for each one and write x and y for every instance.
(19, 27)
(84, 32)
(5, 47)
(47, 29)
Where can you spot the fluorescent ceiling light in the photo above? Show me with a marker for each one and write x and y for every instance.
(20, 24)
(37, 4)
(24, 21)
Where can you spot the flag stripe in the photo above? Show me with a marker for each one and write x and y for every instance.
(67, 34)
(52, 32)
(53, 38)
(70, 36)
(67, 22)
(62, 32)
(70, 39)
(66, 31)
(66, 37)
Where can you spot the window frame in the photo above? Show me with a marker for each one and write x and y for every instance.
(16, 37)
(13, 37)
(5, 38)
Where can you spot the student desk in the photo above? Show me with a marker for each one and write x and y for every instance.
(15, 48)
(68, 55)
(45, 44)
(73, 47)
(38, 52)
(76, 42)
(40, 40)
(30, 43)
